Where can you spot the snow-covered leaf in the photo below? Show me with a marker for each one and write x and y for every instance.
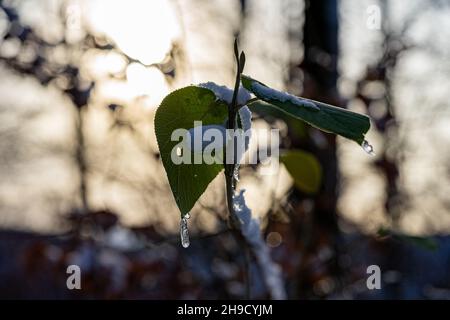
(179, 110)
(328, 118)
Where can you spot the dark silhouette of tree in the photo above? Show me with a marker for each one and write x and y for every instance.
(317, 215)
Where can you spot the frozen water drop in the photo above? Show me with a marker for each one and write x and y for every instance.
(184, 233)
(367, 147)
(236, 172)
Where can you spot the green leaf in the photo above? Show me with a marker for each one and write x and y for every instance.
(179, 110)
(323, 116)
(423, 242)
(297, 128)
(267, 110)
(304, 169)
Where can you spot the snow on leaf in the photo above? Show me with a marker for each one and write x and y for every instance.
(283, 96)
(246, 118)
(226, 94)
(348, 124)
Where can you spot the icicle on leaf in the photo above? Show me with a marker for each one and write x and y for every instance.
(348, 124)
(367, 147)
(184, 232)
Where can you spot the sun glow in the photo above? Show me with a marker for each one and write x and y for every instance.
(143, 30)
(145, 81)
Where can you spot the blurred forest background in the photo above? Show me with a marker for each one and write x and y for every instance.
(81, 180)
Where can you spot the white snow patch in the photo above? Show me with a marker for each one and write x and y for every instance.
(197, 142)
(199, 133)
(226, 94)
(246, 133)
(250, 230)
(283, 96)
(246, 118)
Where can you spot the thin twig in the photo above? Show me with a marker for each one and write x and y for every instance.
(229, 170)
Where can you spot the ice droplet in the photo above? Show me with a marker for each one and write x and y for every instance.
(367, 147)
(236, 172)
(184, 232)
